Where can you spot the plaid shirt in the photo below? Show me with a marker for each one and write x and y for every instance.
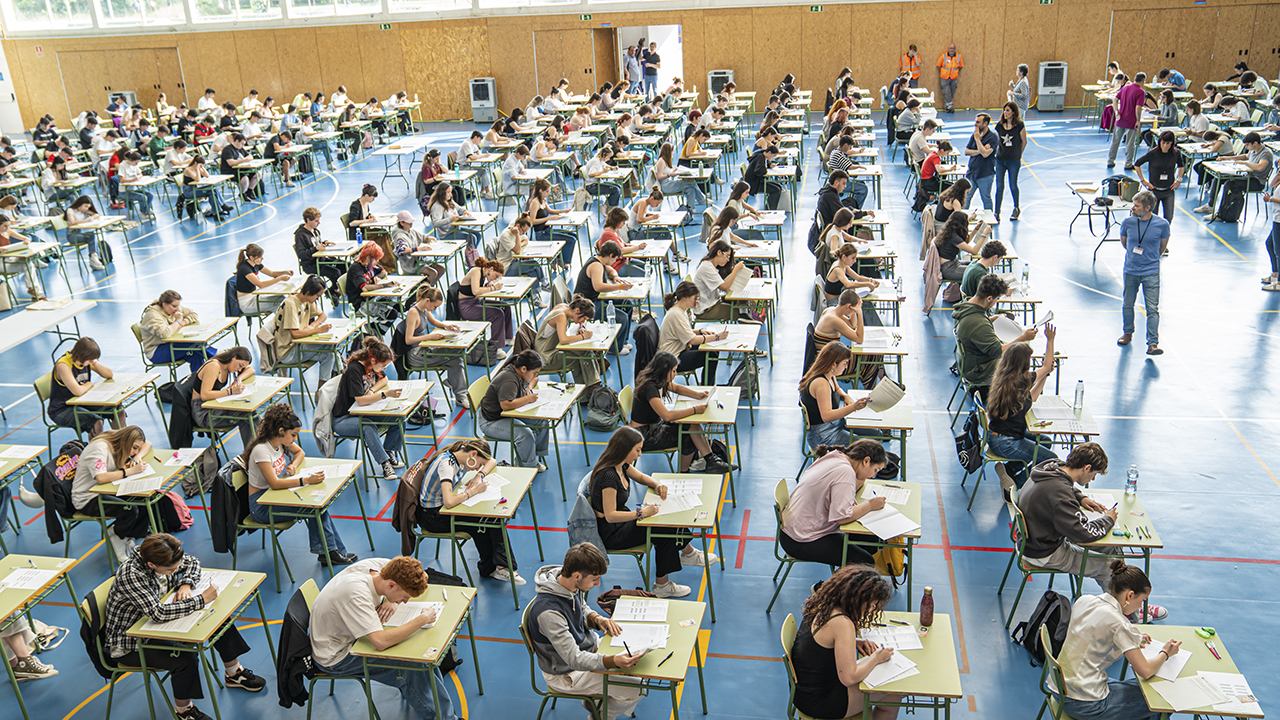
(137, 592)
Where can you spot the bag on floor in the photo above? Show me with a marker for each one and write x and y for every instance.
(951, 293)
(604, 413)
(969, 443)
(1053, 612)
(581, 200)
(892, 466)
(891, 561)
(1231, 206)
(166, 392)
(744, 376)
(608, 600)
(181, 510)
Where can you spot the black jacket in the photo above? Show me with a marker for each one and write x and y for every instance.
(294, 662)
(828, 204)
(227, 508)
(181, 425)
(53, 485)
(304, 245)
(757, 166)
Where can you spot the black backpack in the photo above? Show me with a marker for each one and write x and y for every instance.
(1053, 612)
(1232, 205)
(969, 443)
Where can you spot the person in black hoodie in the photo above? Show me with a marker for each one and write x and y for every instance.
(757, 167)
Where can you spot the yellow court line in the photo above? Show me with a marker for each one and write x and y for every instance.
(1216, 235)
(462, 695)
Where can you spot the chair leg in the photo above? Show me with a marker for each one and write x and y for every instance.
(973, 495)
(1013, 556)
(779, 590)
(1022, 586)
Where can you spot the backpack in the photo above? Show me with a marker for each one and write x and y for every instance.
(608, 601)
(746, 376)
(891, 561)
(1053, 612)
(201, 474)
(969, 443)
(1231, 205)
(181, 510)
(892, 466)
(604, 413)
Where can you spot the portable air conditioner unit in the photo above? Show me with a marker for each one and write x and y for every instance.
(716, 80)
(1052, 87)
(484, 103)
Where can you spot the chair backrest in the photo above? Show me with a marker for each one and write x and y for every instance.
(95, 605)
(560, 291)
(238, 479)
(1256, 117)
(1019, 530)
(528, 646)
(43, 386)
(137, 334)
(1052, 674)
(781, 496)
(476, 391)
(788, 638)
(310, 592)
(626, 399)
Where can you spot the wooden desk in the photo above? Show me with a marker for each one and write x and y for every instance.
(1130, 515)
(125, 390)
(221, 615)
(402, 287)
(664, 668)
(170, 476)
(700, 520)
(757, 290)
(489, 514)
(200, 336)
(1082, 426)
(1201, 660)
(425, 649)
(15, 603)
(26, 459)
(456, 344)
(555, 401)
(939, 677)
(720, 415)
(886, 342)
(911, 509)
(234, 409)
(579, 221)
(20, 327)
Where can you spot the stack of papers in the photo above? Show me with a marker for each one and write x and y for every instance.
(419, 384)
(635, 609)
(407, 611)
(896, 667)
(1052, 407)
(221, 578)
(675, 502)
(144, 486)
(183, 624)
(1190, 692)
(887, 523)
(1172, 666)
(1240, 698)
(492, 491)
(683, 485)
(886, 394)
(27, 579)
(898, 637)
(892, 494)
(20, 451)
(99, 396)
(641, 637)
(333, 472)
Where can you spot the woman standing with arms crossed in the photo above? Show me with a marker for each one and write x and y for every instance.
(1012, 135)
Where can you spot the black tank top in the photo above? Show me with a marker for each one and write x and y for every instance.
(584, 286)
(217, 383)
(810, 404)
(819, 692)
(832, 287)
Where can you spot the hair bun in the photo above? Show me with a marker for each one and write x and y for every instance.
(1117, 566)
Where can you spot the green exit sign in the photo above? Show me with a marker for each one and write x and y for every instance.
(818, 8)
(385, 26)
(1046, 2)
(584, 18)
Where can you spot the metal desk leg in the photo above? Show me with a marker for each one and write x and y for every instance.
(265, 627)
(702, 686)
(511, 574)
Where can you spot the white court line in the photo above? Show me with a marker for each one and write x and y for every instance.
(21, 399)
(1173, 418)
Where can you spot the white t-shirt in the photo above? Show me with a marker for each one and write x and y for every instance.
(209, 104)
(1096, 637)
(707, 278)
(129, 171)
(345, 611)
(1199, 124)
(94, 460)
(339, 99)
(172, 158)
(1241, 111)
(594, 165)
(468, 148)
(262, 452)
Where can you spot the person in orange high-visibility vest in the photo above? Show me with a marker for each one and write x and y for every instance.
(911, 63)
(949, 64)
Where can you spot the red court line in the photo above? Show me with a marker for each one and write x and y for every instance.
(38, 516)
(428, 454)
(742, 542)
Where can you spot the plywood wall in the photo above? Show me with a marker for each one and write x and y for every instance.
(434, 59)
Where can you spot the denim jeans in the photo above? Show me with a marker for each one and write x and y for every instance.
(323, 358)
(858, 190)
(612, 194)
(828, 433)
(693, 197)
(530, 443)
(348, 426)
(651, 83)
(982, 186)
(87, 238)
(196, 357)
(456, 373)
(264, 513)
(414, 685)
(142, 197)
(1010, 168)
(1273, 247)
(1130, 138)
(1150, 300)
(1124, 701)
(1029, 450)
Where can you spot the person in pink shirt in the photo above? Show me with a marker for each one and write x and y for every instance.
(826, 498)
(1129, 103)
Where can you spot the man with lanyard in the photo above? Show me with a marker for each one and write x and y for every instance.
(631, 68)
(949, 65)
(1145, 237)
(911, 63)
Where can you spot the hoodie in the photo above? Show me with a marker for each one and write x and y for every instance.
(978, 338)
(1050, 504)
(558, 624)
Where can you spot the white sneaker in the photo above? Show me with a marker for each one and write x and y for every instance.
(540, 303)
(504, 575)
(95, 262)
(696, 558)
(397, 463)
(1203, 209)
(501, 354)
(389, 471)
(542, 468)
(698, 465)
(626, 349)
(511, 341)
(120, 546)
(671, 590)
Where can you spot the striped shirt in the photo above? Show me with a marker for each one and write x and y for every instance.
(444, 468)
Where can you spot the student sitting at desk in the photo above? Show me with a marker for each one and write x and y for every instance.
(8, 237)
(268, 468)
(71, 379)
(1235, 108)
(560, 630)
(1196, 122)
(444, 212)
(1259, 161)
(992, 254)
(950, 240)
(56, 172)
(252, 275)
(353, 605)
(80, 211)
(307, 242)
(692, 151)
(193, 193)
(930, 180)
(467, 152)
(433, 173)
(597, 166)
(679, 337)
(539, 211)
(141, 584)
(228, 119)
(187, 122)
(511, 242)
(671, 182)
(300, 317)
(614, 231)
(546, 146)
(843, 276)
(711, 285)
(275, 144)
(484, 278)
(1054, 510)
(364, 382)
(512, 166)
(358, 215)
(160, 320)
(598, 276)
(1013, 390)
(404, 241)
(651, 416)
(512, 388)
(825, 403)
(417, 329)
(826, 498)
(233, 156)
(175, 158)
(974, 333)
(757, 169)
(1098, 634)
(1218, 145)
(829, 660)
(440, 479)
(129, 173)
(555, 331)
(613, 478)
(222, 376)
(111, 457)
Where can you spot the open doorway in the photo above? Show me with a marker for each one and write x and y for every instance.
(666, 43)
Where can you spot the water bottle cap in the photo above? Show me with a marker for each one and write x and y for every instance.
(928, 590)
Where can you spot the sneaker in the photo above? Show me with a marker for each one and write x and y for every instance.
(540, 303)
(1154, 612)
(1270, 279)
(1006, 482)
(671, 590)
(192, 713)
(337, 558)
(389, 471)
(1154, 350)
(501, 354)
(1203, 209)
(716, 466)
(626, 349)
(397, 463)
(542, 468)
(1017, 212)
(464, 402)
(289, 184)
(29, 668)
(511, 341)
(245, 680)
(119, 545)
(1111, 164)
(505, 576)
(697, 559)
(487, 194)
(95, 262)
(698, 465)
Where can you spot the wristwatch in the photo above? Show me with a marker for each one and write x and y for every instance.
(383, 394)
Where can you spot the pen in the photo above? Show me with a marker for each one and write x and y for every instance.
(445, 592)
(32, 563)
(668, 657)
(1212, 649)
(1043, 424)
(206, 617)
(624, 646)
(899, 622)
(295, 494)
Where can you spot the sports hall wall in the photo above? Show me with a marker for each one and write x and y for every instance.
(434, 59)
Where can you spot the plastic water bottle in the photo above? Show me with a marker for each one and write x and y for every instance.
(926, 608)
(1079, 404)
(610, 314)
(1026, 275)
(359, 236)
(1131, 481)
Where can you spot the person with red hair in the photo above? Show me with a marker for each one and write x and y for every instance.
(365, 273)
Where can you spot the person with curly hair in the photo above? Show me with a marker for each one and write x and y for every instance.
(364, 382)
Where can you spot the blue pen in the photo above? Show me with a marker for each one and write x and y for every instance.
(32, 563)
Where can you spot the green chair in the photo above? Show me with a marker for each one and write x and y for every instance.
(781, 496)
(310, 592)
(595, 701)
(455, 540)
(93, 612)
(805, 451)
(43, 386)
(301, 366)
(148, 364)
(960, 383)
(1052, 673)
(789, 630)
(1018, 534)
(626, 400)
(238, 480)
(475, 394)
(60, 226)
(988, 455)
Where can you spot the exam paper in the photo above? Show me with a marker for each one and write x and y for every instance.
(221, 578)
(895, 668)
(641, 637)
(640, 610)
(28, 579)
(1236, 688)
(492, 491)
(885, 395)
(892, 495)
(887, 523)
(1172, 666)
(683, 485)
(675, 503)
(183, 624)
(138, 487)
(332, 472)
(20, 451)
(409, 610)
(1052, 407)
(1190, 692)
(184, 457)
(898, 637)
(419, 384)
(99, 396)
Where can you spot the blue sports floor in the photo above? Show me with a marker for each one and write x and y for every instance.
(1200, 422)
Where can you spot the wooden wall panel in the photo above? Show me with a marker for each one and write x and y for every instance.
(578, 60)
(339, 61)
(257, 50)
(1233, 35)
(299, 61)
(930, 27)
(75, 90)
(1129, 24)
(1079, 29)
(1194, 47)
(170, 69)
(605, 47)
(1264, 51)
(776, 31)
(218, 68)
(439, 60)
(138, 71)
(510, 49)
(979, 30)
(727, 39)
(1031, 37)
(877, 33)
(381, 61)
(549, 64)
(695, 65)
(826, 44)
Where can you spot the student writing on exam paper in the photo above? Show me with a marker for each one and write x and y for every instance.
(300, 317)
(825, 403)
(252, 275)
(405, 239)
(613, 479)
(1013, 389)
(846, 319)
(711, 286)
(555, 331)
(657, 423)
(161, 320)
(992, 253)
(562, 632)
(364, 382)
(222, 376)
(111, 457)
(842, 275)
(10, 237)
(71, 379)
(485, 278)
(419, 327)
(353, 605)
(307, 242)
(826, 498)
(272, 461)
(514, 387)
(440, 482)
(1099, 633)
(679, 337)
(976, 336)
(722, 229)
(598, 276)
(671, 182)
(830, 660)
(616, 231)
(142, 583)
(511, 244)
(950, 240)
